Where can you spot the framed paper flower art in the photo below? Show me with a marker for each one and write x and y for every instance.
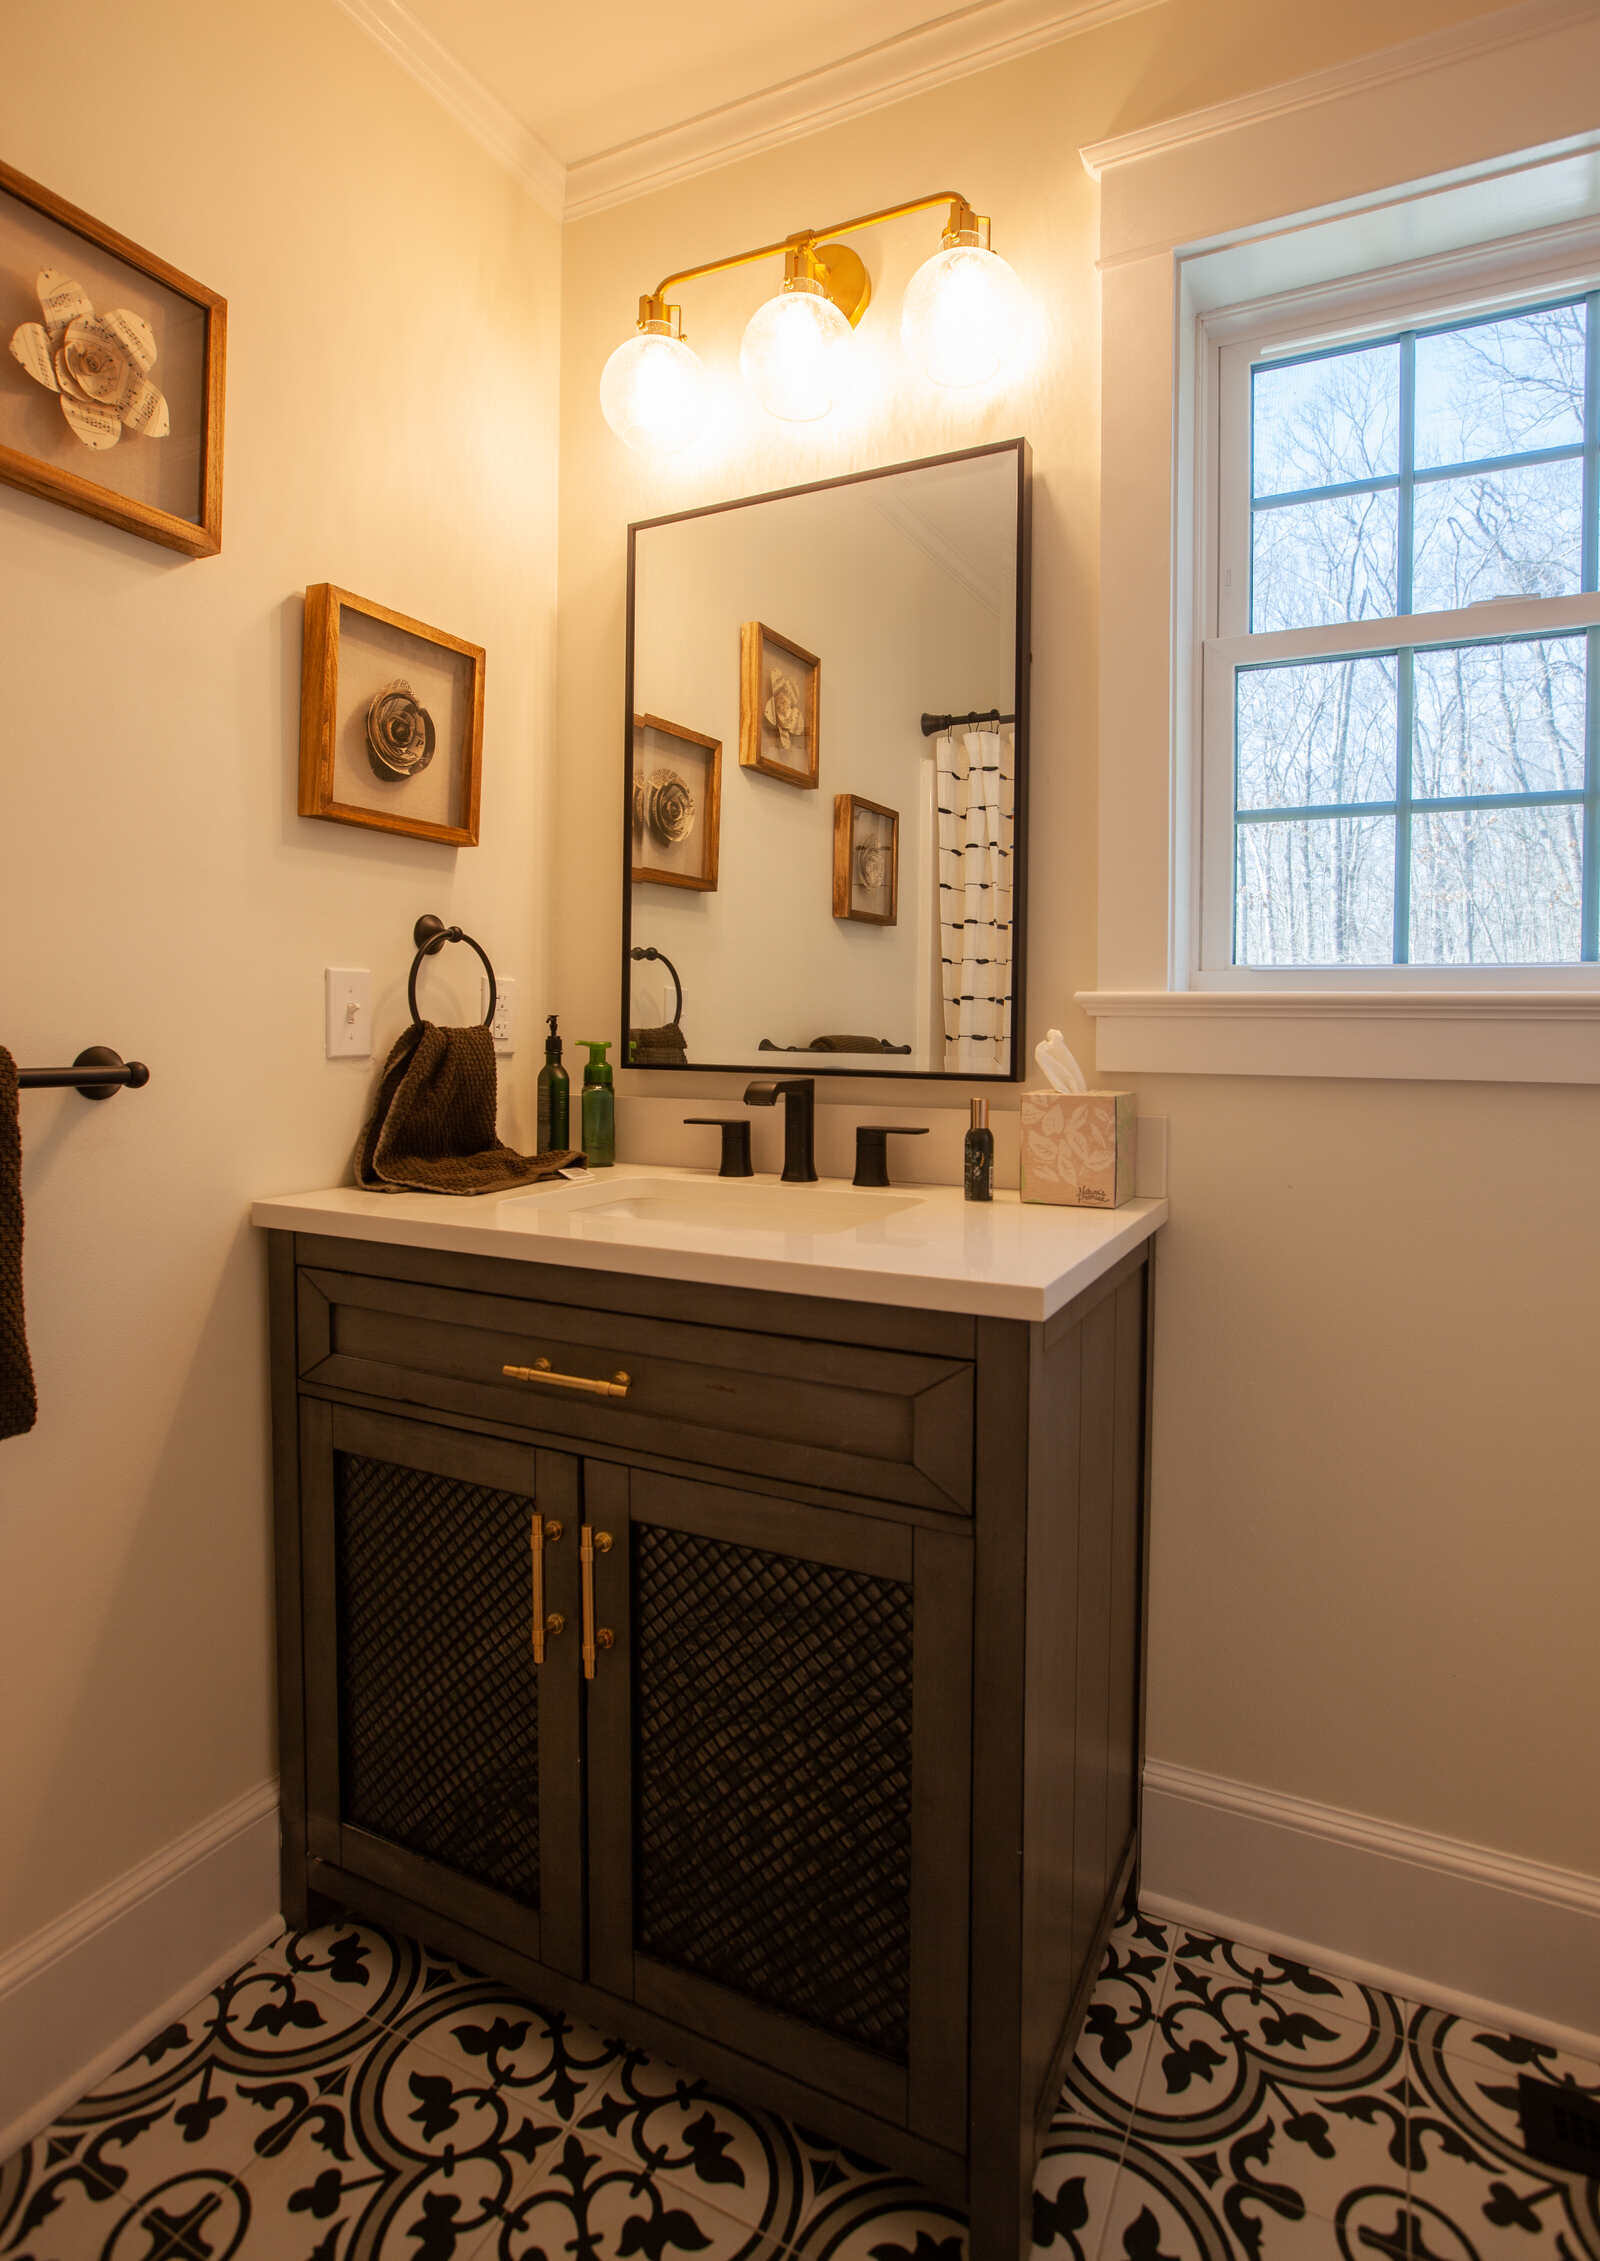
(674, 805)
(866, 860)
(391, 721)
(111, 391)
(780, 686)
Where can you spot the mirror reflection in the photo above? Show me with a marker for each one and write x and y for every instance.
(824, 769)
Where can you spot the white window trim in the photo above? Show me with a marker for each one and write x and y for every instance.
(1163, 295)
(1229, 343)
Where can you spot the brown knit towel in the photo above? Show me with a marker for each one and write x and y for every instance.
(19, 1408)
(431, 1129)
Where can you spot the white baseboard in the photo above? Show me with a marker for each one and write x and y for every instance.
(80, 1996)
(1477, 1932)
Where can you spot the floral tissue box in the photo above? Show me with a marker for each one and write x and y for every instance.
(1077, 1147)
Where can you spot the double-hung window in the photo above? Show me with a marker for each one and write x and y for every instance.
(1400, 694)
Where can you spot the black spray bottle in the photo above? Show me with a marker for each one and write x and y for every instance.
(978, 1177)
(554, 1096)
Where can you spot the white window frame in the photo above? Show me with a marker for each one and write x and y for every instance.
(1229, 342)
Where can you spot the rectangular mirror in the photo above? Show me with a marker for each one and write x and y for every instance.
(825, 806)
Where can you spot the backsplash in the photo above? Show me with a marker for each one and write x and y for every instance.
(651, 1128)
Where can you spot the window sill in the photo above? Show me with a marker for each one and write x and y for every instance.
(1418, 1035)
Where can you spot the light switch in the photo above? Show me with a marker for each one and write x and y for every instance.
(503, 1028)
(347, 992)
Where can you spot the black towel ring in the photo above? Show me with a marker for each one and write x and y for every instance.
(431, 934)
(677, 1010)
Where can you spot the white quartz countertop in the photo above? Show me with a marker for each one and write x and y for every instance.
(923, 1247)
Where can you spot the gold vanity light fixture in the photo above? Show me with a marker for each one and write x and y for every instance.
(964, 308)
(962, 311)
(793, 354)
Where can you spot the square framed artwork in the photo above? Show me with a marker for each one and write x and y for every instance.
(779, 700)
(866, 860)
(675, 805)
(391, 721)
(111, 393)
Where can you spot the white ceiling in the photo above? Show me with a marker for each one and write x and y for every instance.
(588, 78)
(594, 103)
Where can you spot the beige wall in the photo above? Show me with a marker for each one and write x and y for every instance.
(391, 401)
(1373, 1525)
(1373, 1532)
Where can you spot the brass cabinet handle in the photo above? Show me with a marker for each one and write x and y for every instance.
(536, 1549)
(539, 1532)
(591, 1543)
(539, 1371)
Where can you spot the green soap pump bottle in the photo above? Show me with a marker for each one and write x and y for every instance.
(554, 1095)
(599, 1107)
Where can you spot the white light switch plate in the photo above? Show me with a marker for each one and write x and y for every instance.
(504, 1026)
(347, 1010)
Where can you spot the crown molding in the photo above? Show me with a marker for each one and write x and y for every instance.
(937, 550)
(495, 128)
(969, 39)
(1484, 35)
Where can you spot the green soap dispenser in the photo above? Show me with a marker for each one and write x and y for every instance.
(554, 1096)
(599, 1107)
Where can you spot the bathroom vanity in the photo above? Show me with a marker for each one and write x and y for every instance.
(717, 1610)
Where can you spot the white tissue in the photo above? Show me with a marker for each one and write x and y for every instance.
(1057, 1065)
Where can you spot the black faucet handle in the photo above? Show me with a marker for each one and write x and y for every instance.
(872, 1149)
(735, 1131)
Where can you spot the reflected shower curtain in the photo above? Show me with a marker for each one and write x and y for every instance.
(974, 773)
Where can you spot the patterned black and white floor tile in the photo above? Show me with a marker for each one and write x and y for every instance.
(352, 2097)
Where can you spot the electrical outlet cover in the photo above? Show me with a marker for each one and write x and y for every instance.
(503, 1028)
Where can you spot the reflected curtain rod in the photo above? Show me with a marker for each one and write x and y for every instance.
(932, 724)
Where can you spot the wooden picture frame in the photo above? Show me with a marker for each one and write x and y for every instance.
(760, 738)
(860, 825)
(340, 773)
(145, 379)
(692, 861)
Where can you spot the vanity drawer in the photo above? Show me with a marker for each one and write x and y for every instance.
(892, 1424)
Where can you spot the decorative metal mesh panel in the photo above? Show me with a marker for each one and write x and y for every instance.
(773, 1780)
(440, 1725)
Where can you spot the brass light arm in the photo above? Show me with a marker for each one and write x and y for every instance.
(654, 308)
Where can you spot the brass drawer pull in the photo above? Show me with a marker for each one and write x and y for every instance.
(591, 1543)
(539, 1371)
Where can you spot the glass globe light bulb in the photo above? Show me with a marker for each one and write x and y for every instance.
(653, 391)
(793, 355)
(962, 313)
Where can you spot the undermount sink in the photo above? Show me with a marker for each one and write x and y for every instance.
(721, 1206)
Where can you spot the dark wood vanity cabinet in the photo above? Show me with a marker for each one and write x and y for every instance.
(821, 1773)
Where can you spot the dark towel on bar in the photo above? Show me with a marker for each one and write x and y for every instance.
(19, 1408)
(431, 1129)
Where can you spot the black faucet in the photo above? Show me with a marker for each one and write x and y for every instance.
(799, 1095)
(735, 1131)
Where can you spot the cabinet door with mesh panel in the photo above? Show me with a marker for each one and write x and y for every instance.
(779, 1791)
(442, 1672)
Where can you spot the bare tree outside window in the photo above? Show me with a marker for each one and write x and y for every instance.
(1437, 803)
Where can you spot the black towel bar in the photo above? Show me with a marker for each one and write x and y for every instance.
(98, 1073)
